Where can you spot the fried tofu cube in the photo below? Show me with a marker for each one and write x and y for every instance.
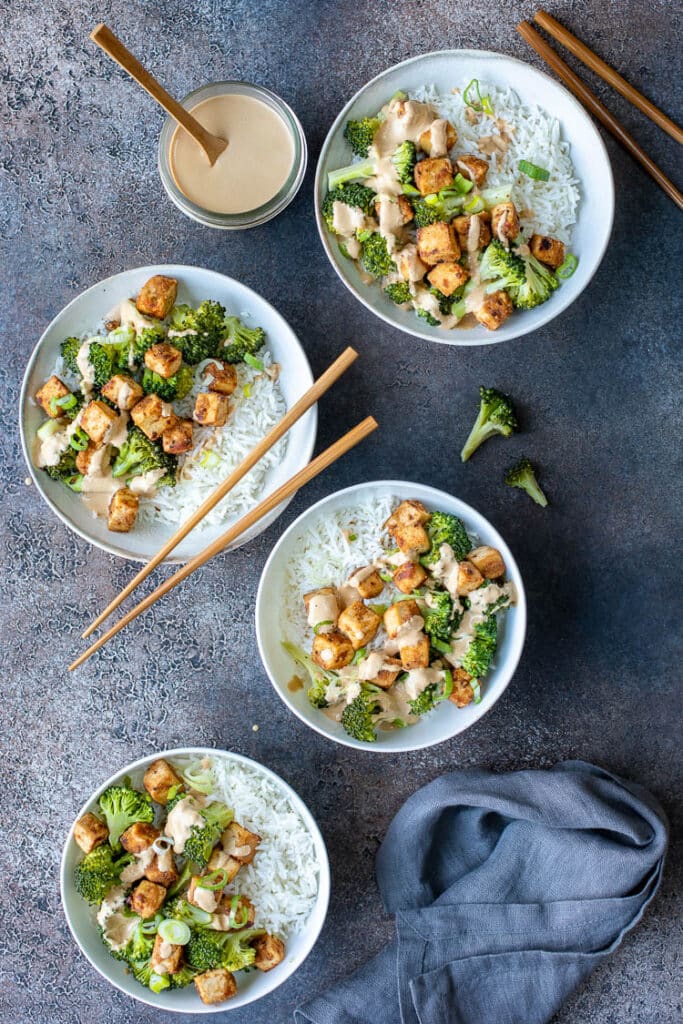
(406, 526)
(147, 898)
(47, 396)
(386, 677)
(97, 421)
(462, 227)
(433, 174)
(448, 277)
(222, 377)
(396, 616)
(159, 778)
(473, 168)
(415, 655)
(163, 359)
(270, 951)
(425, 141)
(332, 650)
(410, 266)
(123, 391)
(371, 585)
(211, 409)
(238, 842)
(167, 958)
(179, 438)
(437, 244)
(322, 598)
(162, 870)
(123, 511)
(244, 911)
(488, 561)
(85, 458)
(469, 578)
(139, 836)
(505, 222)
(157, 296)
(494, 310)
(153, 417)
(462, 694)
(409, 577)
(220, 859)
(548, 250)
(406, 210)
(215, 986)
(359, 623)
(90, 832)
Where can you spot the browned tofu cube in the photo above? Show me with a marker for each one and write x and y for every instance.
(238, 842)
(406, 526)
(462, 694)
(371, 585)
(448, 277)
(244, 912)
(488, 561)
(167, 958)
(504, 222)
(147, 898)
(326, 593)
(162, 870)
(409, 577)
(473, 168)
(47, 396)
(469, 578)
(215, 986)
(482, 229)
(139, 836)
(222, 377)
(437, 244)
(396, 616)
(178, 438)
(153, 416)
(123, 511)
(494, 310)
(90, 832)
(97, 421)
(163, 359)
(159, 778)
(548, 250)
(386, 677)
(426, 138)
(359, 623)
(332, 650)
(270, 951)
(415, 655)
(211, 409)
(84, 459)
(410, 266)
(157, 296)
(220, 859)
(406, 210)
(433, 174)
(123, 391)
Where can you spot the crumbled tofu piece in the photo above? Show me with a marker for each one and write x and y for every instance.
(153, 417)
(548, 250)
(163, 359)
(179, 438)
(448, 277)
(415, 655)
(406, 526)
(223, 377)
(123, 510)
(167, 958)
(90, 832)
(494, 310)
(469, 578)
(159, 778)
(433, 174)
(462, 694)
(488, 561)
(359, 623)
(52, 389)
(211, 409)
(97, 421)
(270, 951)
(123, 391)
(398, 614)
(147, 898)
(437, 244)
(157, 296)
(215, 986)
(409, 577)
(139, 836)
(473, 168)
(504, 222)
(332, 650)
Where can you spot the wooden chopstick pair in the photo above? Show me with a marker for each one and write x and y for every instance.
(304, 476)
(591, 101)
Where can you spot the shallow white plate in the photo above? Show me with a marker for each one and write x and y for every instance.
(82, 315)
(445, 721)
(252, 985)
(446, 69)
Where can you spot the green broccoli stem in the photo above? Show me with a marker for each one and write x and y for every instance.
(354, 172)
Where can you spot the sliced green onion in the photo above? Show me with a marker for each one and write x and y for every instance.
(476, 689)
(75, 482)
(158, 982)
(378, 609)
(198, 915)
(246, 390)
(65, 402)
(199, 778)
(48, 428)
(386, 577)
(352, 537)
(150, 927)
(359, 655)
(410, 190)
(121, 334)
(493, 196)
(371, 688)
(474, 205)
(567, 267)
(250, 360)
(447, 685)
(319, 625)
(209, 459)
(176, 932)
(432, 199)
(533, 170)
(344, 251)
(458, 309)
(441, 646)
(235, 921)
(79, 440)
(474, 99)
(214, 881)
(462, 184)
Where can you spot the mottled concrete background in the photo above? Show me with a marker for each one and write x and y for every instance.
(81, 200)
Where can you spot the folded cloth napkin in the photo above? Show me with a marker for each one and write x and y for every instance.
(508, 891)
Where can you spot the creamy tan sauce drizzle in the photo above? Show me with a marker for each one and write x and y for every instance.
(438, 138)
(499, 143)
(136, 869)
(250, 171)
(419, 679)
(323, 608)
(182, 819)
(205, 899)
(346, 220)
(85, 368)
(411, 266)
(480, 600)
(48, 450)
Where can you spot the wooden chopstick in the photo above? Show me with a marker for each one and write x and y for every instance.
(598, 109)
(316, 391)
(325, 459)
(612, 77)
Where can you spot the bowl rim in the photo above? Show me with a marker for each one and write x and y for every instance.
(491, 338)
(324, 880)
(111, 548)
(520, 608)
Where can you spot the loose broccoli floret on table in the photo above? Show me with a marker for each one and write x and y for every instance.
(496, 416)
(522, 475)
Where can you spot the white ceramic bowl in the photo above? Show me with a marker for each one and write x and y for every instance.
(447, 720)
(81, 316)
(252, 985)
(445, 69)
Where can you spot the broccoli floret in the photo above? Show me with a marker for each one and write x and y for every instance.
(138, 949)
(444, 205)
(107, 359)
(180, 910)
(357, 717)
(538, 285)
(207, 322)
(445, 528)
(142, 972)
(239, 340)
(522, 475)
(183, 977)
(98, 872)
(320, 679)
(122, 806)
(360, 133)
(500, 265)
(399, 292)
(69, 350)
(168, 388)
(368, 168)
(374, 256)
(65, 471)
(209, 950)
(438, 616)
(140, 455)
(404, 159)
(424, 215)
(482, 648)
(425, 315)
(353, 194)
(426, 701)
(202, 839)
(496, 416)
(145, 339)
(445, 301)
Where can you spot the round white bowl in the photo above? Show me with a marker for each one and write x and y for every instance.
(82, 316)
(447, 720)
(252, 985)
(445, 69)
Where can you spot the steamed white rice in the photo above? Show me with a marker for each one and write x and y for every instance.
(549, 207)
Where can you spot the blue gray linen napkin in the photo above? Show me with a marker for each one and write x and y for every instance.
(508, 891)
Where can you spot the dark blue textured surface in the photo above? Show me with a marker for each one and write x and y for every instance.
(599, 676)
